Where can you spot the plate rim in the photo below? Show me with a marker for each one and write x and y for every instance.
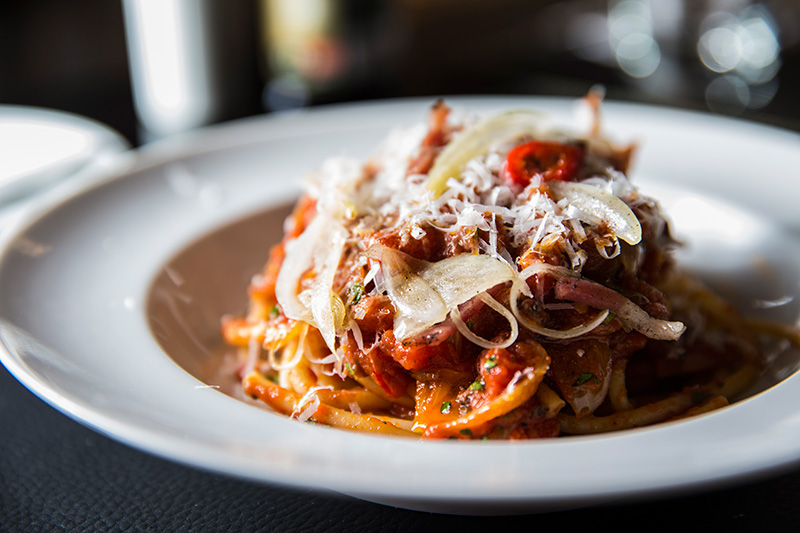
(107, 142)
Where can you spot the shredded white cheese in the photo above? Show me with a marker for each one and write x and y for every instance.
(481, 200)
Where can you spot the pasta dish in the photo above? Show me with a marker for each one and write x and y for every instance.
(492, 278)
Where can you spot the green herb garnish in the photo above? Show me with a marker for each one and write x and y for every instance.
(275, 311)
(467, 432)
(445, 409)
(476, 385)
(356, 292)
(490, 363)
(586, 377)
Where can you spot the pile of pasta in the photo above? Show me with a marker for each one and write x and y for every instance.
(493, 278)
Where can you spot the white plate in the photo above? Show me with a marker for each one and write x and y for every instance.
(75, 279)
(40, 146)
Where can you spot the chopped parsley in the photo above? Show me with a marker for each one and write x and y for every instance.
(609, 318)
(476, 385)
(356, 292)
(275, 311)
(585, 377)
(445, 409)
(349, 368)
(467, 432)
(490, 363)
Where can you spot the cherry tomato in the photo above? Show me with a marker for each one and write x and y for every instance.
(550, 160)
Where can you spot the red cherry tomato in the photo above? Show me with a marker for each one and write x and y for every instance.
(550, 160)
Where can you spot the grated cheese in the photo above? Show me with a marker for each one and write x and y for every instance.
(481, 199)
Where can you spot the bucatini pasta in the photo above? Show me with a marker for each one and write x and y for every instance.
(495, 278)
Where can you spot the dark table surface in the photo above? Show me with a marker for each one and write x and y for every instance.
(56, 475)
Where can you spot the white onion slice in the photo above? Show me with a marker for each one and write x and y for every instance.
(320, 246)
(541, 268)
(415, 302)
(520, 286)
(327, 307)
(477, 140)
(631, 314)
(298, 352)
(462, 327)
(462, 277)
(423, 293)
(638, 319)
(570, 333)
(601, 204)
(299, 258)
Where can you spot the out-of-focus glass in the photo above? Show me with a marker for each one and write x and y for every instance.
(726, 51)
(742, 50)
(188, 62)
(316, 50)
(168, 49)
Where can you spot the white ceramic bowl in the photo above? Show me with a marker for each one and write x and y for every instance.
(85, 325)
(40, 146)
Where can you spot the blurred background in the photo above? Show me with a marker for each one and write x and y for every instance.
(151, 68)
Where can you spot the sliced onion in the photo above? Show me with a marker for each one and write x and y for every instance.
(600, 204)
(638, 319)
(423, 293)
(455, 315)
(416, 303)
(541, 268)
(299, 258)
(597, 295)
(520, 287)
(320, 247)
(327, 307)
(462, 277)
(477, 140)
(298, 352)
(549, 332)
